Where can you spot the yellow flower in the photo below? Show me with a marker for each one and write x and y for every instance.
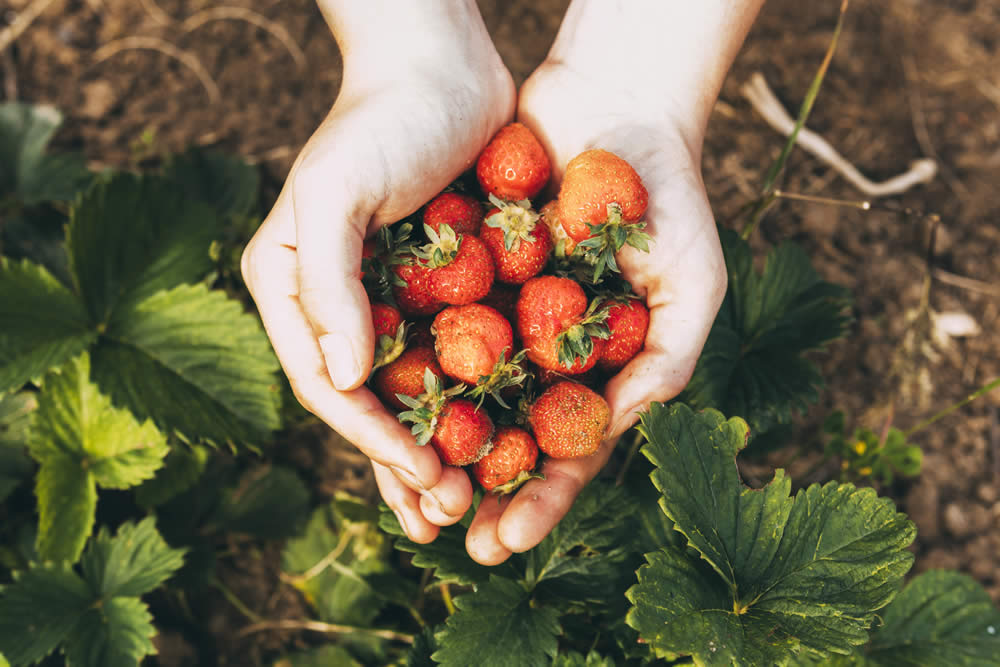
(867, 470)
(860, 447)
(844, 465)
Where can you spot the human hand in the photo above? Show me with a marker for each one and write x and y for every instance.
(682, 278)
(413, 112)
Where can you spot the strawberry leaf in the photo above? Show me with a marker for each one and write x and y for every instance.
(776, 575)
(753, 364)
(270, 502)
(44, 323)
(26, 171)
(941, 619)
(15, 418)
(225, 182)
(496, 622)
(97, 617)
(194, 362)
(131, 237)
(573, 659)
(81, 441)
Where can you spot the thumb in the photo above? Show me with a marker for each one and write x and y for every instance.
(330, 230)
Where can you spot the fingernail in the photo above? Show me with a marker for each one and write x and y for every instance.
(399, 517)
(440, 505)
(340, 360)
(408, 478)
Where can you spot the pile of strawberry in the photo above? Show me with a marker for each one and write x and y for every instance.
(495, 326)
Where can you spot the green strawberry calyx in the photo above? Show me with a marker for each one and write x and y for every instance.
(608, 237)
(425, 408)
(517, 220)
(577, 341)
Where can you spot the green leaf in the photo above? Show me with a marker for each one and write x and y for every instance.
(329, 655)
(495, 623)
(75, 420)
(132, 563)
(752, 364)
(423, 647)
(130, 237)
(330, 563)
(194, 361)
(269, 502)
(777, 574)
(39, 610)
(941, 619)
(446, 554)
(574, 659)
(44, 323)
(224, 181)
(116, 633)
(26, 171)
(181, 469)
(67, 502)
(581, 559)
(15, 418)
(38, 234)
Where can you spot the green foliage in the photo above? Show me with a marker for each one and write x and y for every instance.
(27, 173)
(95, 615)
(15, 418)
(495, 623)
(753, 364)
(865, 454)
(330, 655)
(181, 469)
(81, 441)
(775, 575)
(574, 659)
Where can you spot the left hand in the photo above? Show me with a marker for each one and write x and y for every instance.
(682, 278)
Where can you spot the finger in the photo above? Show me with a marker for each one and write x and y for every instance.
(481, 540)
(269, 269)
(405, 504)
(448, 502)
(330, 224)
(542, 503)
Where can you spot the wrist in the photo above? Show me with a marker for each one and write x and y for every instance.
(669, 57)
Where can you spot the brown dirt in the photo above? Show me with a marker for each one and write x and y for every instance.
(911, 79)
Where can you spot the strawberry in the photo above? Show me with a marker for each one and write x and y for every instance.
(412, 290)
(569, 420)
(601, 204)
(405, 375)
(509, 463)
(460, 267)
(420, 333)
(469, 339)
(463, 434)
(520, 247)
(628, 322)
(562, 242)
(560, 332)
(390, 334)
(382, 255)
(504, 299)
(458, 430)
(461, 212)
(513, 166)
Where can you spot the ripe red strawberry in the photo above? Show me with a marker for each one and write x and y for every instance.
(458, 430)
(463, 434)
(519, 245)
(628, 322)
(504, 299)
(569, 420)
(509, 463)
(513, 166)
(461, 212)
(414, 296)
(601, 204)
(560, 332)
(470, 339)
(405, 375)
(367, 254)
(390, 334)
(420, 333)
(460, 267)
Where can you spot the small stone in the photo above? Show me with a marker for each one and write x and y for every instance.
(98, 99)
(987, 493)
(957, 521)
(923, 506)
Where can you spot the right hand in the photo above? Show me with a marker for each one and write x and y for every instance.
(402, 129)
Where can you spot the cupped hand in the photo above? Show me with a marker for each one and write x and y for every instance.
(398, 133)
(682, 278)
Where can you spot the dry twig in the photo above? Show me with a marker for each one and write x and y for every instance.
(767, 105)
(326, 628)
(155, 12)
(276, 30)
(166, 48)
(21, 22)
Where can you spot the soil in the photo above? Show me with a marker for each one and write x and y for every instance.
(911, 79)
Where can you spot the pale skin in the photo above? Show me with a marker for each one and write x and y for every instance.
(423, 92)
